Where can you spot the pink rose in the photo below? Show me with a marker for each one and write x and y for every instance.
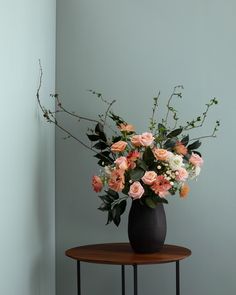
(97, 184)
(117, 180)
(196, 160)
(161, 154)
(181, 174)
(121, 163)
(118, 146)
(136, 190)
(146, 139)
(149, 177)
(136, 140)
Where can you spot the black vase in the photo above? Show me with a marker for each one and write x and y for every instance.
(146, 227)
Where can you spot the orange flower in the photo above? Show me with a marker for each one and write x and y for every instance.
(118, 146)
(97, 183)
(117, 180)
(180, 148)
(184, 191)
(126, 127)
(131, 158)
(161, 185)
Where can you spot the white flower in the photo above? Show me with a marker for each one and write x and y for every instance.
(108, 171)
(193, 173)
(175, 162)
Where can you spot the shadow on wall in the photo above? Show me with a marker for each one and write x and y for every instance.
(42, 282)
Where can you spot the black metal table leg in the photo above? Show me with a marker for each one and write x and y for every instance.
(123, 279)
(177, 279)
(78, 278)
(135, 279)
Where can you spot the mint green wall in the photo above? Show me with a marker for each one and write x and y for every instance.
(129, 50)
(27, 247)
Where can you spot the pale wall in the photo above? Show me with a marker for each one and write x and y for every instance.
(27, 219)
(129, 50)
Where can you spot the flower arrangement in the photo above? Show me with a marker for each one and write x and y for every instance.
(149, 166)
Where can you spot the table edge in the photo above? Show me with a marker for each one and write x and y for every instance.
(125, 262)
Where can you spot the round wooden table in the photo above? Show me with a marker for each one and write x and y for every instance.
(122, 254)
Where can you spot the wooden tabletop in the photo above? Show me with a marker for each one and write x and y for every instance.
(121, 253)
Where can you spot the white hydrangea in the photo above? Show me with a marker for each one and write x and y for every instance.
(175, 162)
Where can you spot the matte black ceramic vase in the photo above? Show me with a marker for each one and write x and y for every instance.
(146, 227)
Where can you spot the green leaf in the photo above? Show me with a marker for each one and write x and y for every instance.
(114, 195)
(109, 217)
(116, 138)
(194, 145)
(185, 140)
(100, 145)
(150, 202)
(106, 199)
(117, 119)
(142, 165)
(136, 174)
(162, 200)
(104, 157)
(175, 133)
(93, 137)
(148, 156)
(170, 143)
(98, 128)
(162, 129)
(100, 133)
(117, 211)
(104, 207)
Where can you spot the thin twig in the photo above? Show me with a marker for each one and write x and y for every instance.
(169, 101)
(59, 104)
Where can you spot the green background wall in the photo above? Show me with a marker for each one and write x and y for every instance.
(27, 202)
(129, 50)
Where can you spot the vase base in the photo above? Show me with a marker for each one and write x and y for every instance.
(141, 249)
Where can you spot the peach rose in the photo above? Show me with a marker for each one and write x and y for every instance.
(181, 174)
(149, 177)
(196, 160)
(161, 154)
(121, 163)
(136, 190)
(117, 180)
(97, 184)
(126, 127)
(136, 140)
(181, 149)
(184, 191)
(161, 186)
(118, 146)
(146, 139)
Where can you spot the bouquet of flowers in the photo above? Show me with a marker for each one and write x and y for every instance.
(149, 166)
